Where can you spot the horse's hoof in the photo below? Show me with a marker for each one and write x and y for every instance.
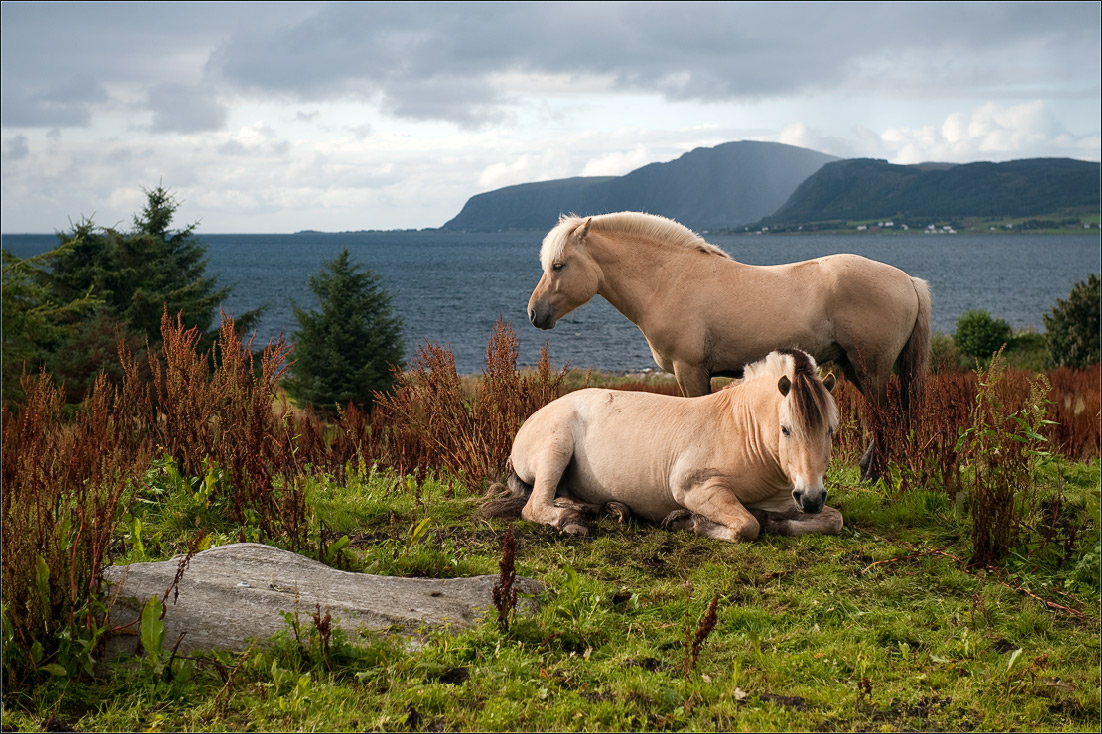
(574, 528)
(678, 520)
(618, 510)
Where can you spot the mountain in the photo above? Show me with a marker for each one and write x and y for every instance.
(864, 188)
(726, 186)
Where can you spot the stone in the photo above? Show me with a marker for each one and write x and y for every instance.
(233, 594)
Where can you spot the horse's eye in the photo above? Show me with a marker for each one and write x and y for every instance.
(558, 266)
(784, 430)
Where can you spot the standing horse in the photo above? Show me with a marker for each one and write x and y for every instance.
(728, 465)
(704, 314)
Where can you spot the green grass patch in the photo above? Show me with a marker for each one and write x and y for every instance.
(878, 628)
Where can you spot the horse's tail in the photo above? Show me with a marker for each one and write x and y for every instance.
(503, 501)
(914, 360)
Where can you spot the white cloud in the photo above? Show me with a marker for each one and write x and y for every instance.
(524, 168)
(988, 132)
(619, 162)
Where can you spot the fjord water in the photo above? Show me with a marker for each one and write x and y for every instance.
(450, 287)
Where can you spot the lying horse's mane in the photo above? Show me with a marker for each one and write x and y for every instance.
(651, 226)
(811, 401)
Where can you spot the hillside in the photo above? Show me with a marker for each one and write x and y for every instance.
(726, 186)
(865, 189)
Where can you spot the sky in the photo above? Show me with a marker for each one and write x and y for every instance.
(278, 117)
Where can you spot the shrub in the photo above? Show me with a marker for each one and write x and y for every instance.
(1072, 326)
(345, 350)
(435, 424)
(1005, 449)
(979, 335)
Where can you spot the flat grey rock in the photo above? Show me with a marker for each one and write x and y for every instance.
(232, 594)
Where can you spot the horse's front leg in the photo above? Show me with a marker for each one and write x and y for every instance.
(827, 522)
(717, 513)
(693, 380)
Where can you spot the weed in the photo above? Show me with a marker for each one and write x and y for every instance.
(1005, 449)
(434, 423)
(504, 593)
(704, 627)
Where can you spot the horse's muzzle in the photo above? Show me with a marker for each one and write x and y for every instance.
(541, 316)
(809, 502)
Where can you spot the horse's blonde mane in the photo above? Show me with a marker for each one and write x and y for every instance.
(775, 364)
(650, 226)
(810, 398)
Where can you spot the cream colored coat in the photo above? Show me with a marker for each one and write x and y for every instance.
(703, 462)
(705, 314)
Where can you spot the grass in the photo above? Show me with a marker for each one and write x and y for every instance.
(879, 628)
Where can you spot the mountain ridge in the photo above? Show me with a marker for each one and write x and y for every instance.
(869, 188)
(727, 185)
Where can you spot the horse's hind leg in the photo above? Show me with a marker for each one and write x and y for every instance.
(543, 506)
(871, 378)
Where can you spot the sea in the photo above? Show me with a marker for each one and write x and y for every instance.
(451, 287)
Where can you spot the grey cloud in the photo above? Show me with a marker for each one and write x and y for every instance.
(16, 148)
(439, 60)
(182, 108)
(61, 59)
(436, 61)
(68, 103)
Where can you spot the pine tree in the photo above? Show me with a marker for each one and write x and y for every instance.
(344, 351)
(140, 273)
(34, 322)
(135, 276)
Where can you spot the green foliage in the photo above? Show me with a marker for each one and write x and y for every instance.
(153, 635)
(979, 335)
(71, 307)
(35, 320)
(1028, 350)
(345, 350)
(1072, 326)
(141, 272)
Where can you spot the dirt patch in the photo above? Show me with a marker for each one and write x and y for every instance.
(648, 664)
(799, 703)
(454, 676)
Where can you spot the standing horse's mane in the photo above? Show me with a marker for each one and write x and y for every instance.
(811, 401)
(650, 226)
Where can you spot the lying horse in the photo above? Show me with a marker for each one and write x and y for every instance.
(728, 465)
(703, 314)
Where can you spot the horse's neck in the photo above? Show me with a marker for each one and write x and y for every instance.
(754, 412)
(633, 270)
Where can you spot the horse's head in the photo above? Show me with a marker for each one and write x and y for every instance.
(808, 419)
(570, 274)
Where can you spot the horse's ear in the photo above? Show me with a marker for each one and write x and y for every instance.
(784, 385)
(828, 381)
(585, 228)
